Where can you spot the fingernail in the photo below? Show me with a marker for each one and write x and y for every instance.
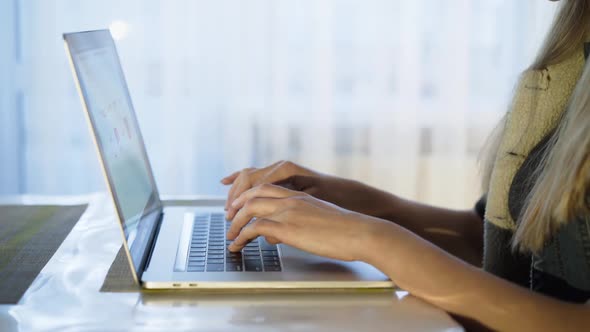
(234, 203)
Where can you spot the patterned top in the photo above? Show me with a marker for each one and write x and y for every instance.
(562, 268)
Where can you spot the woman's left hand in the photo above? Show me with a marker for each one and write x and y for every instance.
(299, 220)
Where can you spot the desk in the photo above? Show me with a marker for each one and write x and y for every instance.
(65, 295)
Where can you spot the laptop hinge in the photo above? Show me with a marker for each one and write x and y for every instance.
(153, 242)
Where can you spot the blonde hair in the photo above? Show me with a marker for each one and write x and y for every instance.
(560, 193)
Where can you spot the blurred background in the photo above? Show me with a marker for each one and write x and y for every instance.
(398, 94)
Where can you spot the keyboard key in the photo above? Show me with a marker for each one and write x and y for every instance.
(215, 267)
(214, 261)
(233, 267)
(215, 256)
(251, 256)
(234, 259)
(271, 263)
(253, 265)
(196, 268)
(269, 253)
(270, 259)
(272, 268)
(197, 254)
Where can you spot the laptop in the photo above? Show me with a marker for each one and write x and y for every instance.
(172, 247)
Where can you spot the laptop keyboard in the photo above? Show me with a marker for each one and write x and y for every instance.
(208, 249)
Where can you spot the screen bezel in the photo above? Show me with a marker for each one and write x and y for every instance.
(79, 42)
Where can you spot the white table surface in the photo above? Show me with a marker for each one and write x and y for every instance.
(65, 296)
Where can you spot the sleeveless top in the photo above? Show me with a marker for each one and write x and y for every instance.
(562, 268)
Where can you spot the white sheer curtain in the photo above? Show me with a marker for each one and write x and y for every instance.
(399, 94)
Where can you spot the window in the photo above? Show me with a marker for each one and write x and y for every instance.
(222, 85)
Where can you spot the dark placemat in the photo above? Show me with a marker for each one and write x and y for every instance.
(29, 236)
(119, 278)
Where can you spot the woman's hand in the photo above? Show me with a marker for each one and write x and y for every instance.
(299, 220)
(349, 194)
(250, 177)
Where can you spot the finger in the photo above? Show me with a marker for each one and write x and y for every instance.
(230, 178)
(260, 227)
(264, 190)
(272, 240)
(247, 179)
(239, 182)
(252, 177)
(256, 207)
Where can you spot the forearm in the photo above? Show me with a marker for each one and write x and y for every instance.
(457, 232)
(428, 272)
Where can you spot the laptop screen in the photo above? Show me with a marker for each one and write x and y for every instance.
(118, 138)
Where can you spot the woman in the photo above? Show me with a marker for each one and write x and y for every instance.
(535, 231)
